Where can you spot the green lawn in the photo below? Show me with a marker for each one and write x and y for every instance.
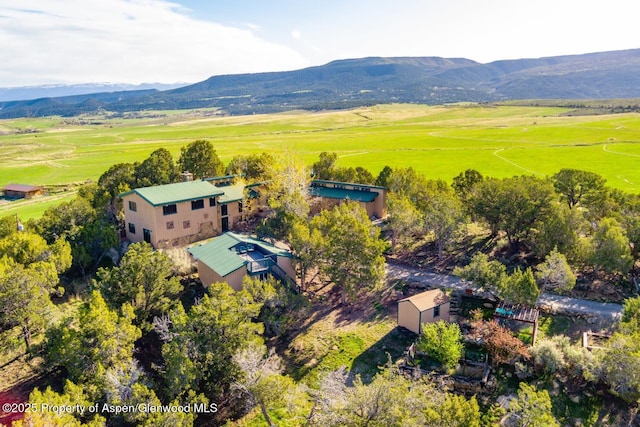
(437, 141)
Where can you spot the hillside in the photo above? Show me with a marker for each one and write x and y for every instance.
(59, 90)
(368, 81)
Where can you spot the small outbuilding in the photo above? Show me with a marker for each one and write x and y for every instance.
(21, 191)
(425, 307)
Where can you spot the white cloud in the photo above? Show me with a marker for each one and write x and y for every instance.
(133, 41)
(254, 27)
(296, 34)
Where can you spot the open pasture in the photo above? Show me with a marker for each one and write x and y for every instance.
(437, 141)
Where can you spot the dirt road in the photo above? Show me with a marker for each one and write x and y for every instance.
(557, 304)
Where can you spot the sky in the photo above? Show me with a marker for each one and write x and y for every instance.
(171, 41)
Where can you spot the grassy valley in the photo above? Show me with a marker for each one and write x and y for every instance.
(439, 142)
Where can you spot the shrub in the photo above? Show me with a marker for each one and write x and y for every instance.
(442, 341)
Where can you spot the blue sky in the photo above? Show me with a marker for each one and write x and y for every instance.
(168, 41)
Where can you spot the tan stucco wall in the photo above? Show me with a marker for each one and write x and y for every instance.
(203, 223)
(143, 217)
(408, 316)
(286, 264)
(379, 205)
(427, 315)
(208, 276)
(235, 279)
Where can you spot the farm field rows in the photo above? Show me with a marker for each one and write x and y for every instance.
(437, 141)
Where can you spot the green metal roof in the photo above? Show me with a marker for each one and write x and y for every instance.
(219, 255)
(343, 194)
(232, 193)
(176, 193)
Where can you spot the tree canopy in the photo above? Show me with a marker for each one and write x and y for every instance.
(143, 279)
(201, 159)
(442, 341)
(352, 251)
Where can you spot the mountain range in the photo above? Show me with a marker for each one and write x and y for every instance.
(367, 81)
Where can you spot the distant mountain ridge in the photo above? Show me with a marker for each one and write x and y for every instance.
(366, 81)
(26, 93)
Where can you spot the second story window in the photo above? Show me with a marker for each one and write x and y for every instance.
(212, 201)
(133, 207)
(169, 209)
(132, 228)
(224, 210)
(197, 204)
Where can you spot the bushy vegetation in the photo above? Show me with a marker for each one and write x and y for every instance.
(133, 340)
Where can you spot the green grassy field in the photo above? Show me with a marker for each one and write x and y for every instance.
(437, 141)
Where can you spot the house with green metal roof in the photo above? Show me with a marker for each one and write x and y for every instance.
(231, 256)
(372, 198)
(181, 213)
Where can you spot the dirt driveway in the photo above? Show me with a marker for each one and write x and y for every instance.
(556, 303)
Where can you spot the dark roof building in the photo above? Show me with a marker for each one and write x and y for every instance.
(22, 191)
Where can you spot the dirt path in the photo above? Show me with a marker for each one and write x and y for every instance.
(558, 304)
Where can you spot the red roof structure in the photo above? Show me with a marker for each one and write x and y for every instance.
(21, 190)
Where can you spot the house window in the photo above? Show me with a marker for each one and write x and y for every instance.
(197, 204)
(186, 224)
(436, 311)
(239, 206)
(212, 201)
(169, 225)
(133, 207)
(224, 210)
(132, 228)
(169, 209)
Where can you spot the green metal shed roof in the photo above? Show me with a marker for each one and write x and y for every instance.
(343, 194)
(218, 255)
(176, 193)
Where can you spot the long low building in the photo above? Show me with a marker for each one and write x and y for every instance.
(329, 193)
(21, 191)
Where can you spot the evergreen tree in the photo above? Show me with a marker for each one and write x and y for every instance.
(200, 159)
(352, 253)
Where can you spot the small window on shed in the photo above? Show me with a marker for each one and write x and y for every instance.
(436, 311)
